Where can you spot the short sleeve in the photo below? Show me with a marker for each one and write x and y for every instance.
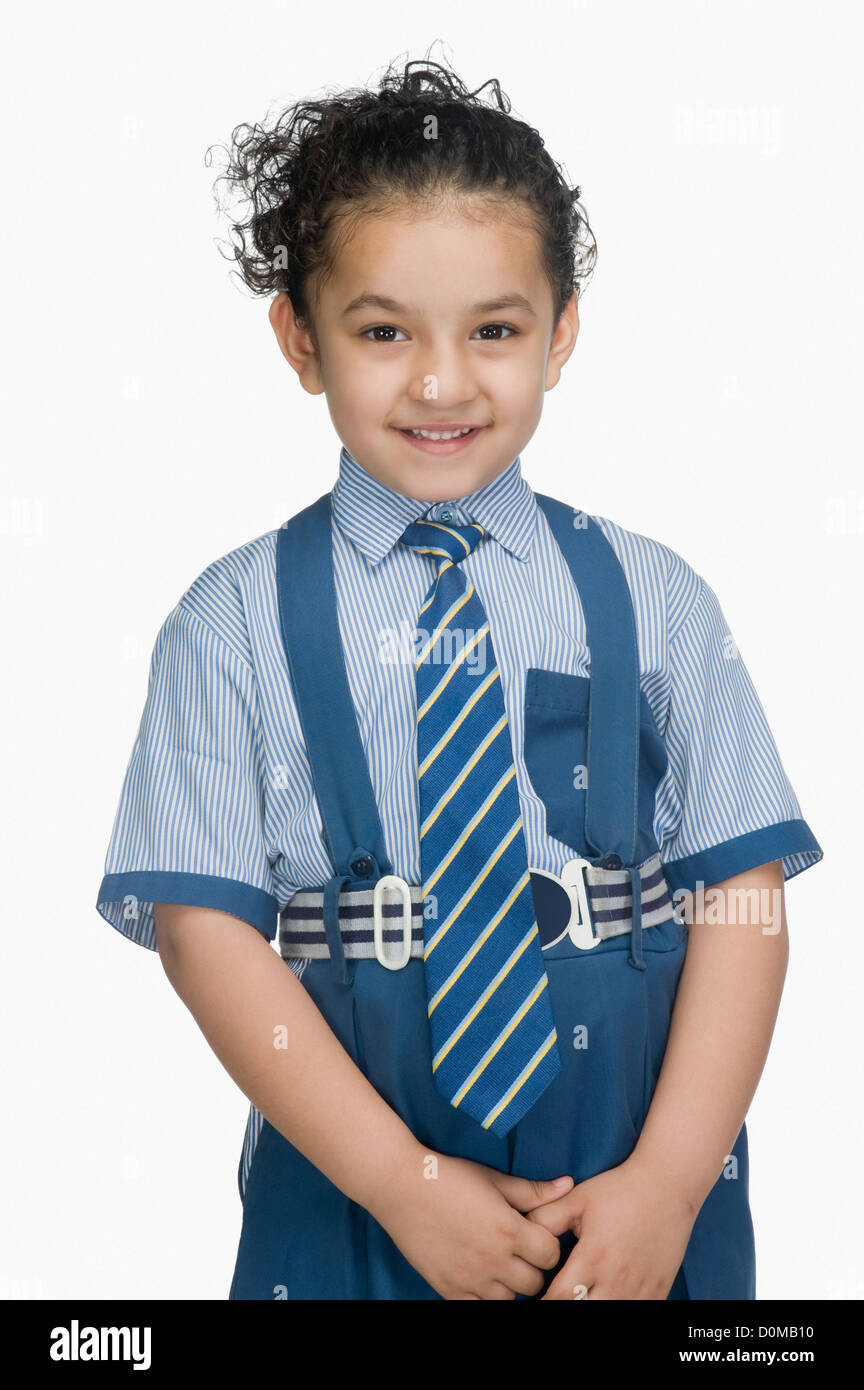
(725, 804)
(190, 824)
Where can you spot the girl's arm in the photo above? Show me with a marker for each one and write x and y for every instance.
(634, 1221)
(722, 1023)
(463, 1231)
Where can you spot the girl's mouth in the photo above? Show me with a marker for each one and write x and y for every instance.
(441, 441)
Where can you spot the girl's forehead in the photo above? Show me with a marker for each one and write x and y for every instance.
(399, 247)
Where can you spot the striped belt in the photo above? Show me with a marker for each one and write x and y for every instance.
(586, 902)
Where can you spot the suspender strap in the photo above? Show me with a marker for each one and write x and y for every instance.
(310, 631)
(611, 801)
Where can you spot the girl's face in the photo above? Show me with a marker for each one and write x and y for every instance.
(433, 323)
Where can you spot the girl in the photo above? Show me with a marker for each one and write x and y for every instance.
(460, 750)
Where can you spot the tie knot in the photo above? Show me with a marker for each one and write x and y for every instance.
(451, 541)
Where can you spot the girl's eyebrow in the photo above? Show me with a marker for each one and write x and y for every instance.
(392, 306)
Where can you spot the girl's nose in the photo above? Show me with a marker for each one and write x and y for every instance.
(446, 378)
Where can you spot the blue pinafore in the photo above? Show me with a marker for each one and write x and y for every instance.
(301, 1237)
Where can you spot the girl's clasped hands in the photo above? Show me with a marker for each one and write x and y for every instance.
(475, 1233)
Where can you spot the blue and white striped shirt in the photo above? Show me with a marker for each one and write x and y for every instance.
(218, 809)
(218, 799)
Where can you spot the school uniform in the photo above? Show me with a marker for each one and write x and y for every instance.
(275, 777)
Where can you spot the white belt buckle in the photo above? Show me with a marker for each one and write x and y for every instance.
(580, 927)
(391, 881)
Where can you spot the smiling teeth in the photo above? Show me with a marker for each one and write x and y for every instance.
(432, 434)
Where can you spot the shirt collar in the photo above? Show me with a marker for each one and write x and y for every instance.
(374, 515)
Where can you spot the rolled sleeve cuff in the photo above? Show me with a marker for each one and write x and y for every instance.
(126, 901)
(792, 842)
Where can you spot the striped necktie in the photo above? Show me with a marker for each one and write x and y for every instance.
(494, 1044)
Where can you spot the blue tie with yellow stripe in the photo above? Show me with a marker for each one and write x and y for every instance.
(494, 1044)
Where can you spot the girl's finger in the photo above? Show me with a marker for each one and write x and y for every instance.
(538, 1246)
(572, 1283)
(552, 1217)
(497, 1292)
(524, 1278)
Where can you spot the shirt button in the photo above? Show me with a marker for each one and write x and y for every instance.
(446, 514)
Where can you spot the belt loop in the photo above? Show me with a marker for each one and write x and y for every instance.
(332, 929)
(635, 958)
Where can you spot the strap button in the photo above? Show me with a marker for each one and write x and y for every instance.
(612, 861)
(363, 866)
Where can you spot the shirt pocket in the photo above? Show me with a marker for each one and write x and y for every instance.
(555, 749)
(555, 752)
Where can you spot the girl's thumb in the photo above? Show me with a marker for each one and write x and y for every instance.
(525, 1193)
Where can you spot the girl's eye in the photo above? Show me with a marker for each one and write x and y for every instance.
(491, 332)
(508, 328)
(381, 328)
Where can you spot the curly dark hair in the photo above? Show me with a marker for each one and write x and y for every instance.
(421, 138)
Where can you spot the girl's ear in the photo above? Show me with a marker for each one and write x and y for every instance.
(563, 341)
(296, 344)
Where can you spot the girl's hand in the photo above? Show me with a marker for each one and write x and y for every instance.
(463, 1231)
(631, 1232)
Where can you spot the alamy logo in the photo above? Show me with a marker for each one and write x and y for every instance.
(439, 646)
(76, 1343)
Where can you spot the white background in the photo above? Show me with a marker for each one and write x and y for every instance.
(712, 401)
